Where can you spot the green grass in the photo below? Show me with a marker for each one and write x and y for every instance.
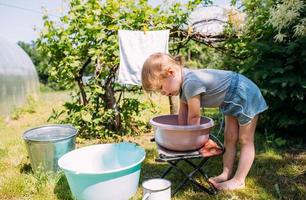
(277, 173)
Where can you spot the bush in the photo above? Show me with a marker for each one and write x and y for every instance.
(273, 55)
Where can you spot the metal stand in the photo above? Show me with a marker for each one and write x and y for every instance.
(189, 177)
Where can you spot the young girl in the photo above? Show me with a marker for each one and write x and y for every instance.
(239, 99)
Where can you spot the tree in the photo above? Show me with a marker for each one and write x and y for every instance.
(38, 59)
(86, 41)
(272, 53)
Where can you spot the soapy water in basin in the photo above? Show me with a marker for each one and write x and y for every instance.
(105, 171)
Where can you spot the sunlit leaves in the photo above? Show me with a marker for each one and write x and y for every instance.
(278, 68)
(286, 17)
(89, 32)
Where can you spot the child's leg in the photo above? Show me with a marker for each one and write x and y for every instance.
(230, 141)
(247, 155)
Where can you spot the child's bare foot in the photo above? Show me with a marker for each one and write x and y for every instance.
(218, 179)
(232, 184)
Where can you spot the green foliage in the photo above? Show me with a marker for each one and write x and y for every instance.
(273, 141)
(39, 60)
(85, 42)
(278, 68)
(46, 88)
(200, 56)
(282, 69)
(289, 19)
(94, 121)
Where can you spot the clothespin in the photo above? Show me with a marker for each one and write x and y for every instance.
(145, 29)
(189, 30)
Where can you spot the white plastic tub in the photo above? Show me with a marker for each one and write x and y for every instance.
(105, 171)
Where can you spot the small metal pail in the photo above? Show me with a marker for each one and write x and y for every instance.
(46, 144)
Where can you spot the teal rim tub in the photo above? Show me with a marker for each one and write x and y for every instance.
(103, 171)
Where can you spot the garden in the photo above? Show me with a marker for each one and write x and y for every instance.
(77, 62)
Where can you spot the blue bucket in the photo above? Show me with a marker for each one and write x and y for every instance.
(104, 171)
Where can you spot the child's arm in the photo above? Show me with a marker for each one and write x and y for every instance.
(194, 105)
(183, 113)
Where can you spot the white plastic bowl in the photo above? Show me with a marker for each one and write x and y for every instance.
(104, 171)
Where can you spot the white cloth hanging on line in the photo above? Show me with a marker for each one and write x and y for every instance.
(135, 47)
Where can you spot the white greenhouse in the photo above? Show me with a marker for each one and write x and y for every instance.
(18, 77)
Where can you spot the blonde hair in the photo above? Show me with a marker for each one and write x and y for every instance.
(154, 69)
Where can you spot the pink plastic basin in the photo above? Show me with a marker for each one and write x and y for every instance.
(172, 136)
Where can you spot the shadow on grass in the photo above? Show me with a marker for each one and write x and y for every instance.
(275, 174)
(26, 168)
(282, 174)
(153, 169)
(62, 189)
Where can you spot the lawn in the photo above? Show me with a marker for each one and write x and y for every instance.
(277, 173)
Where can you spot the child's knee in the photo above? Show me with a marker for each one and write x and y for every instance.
(231, 136)
(245, 139)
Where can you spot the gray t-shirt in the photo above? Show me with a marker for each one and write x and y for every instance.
(211, 84)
